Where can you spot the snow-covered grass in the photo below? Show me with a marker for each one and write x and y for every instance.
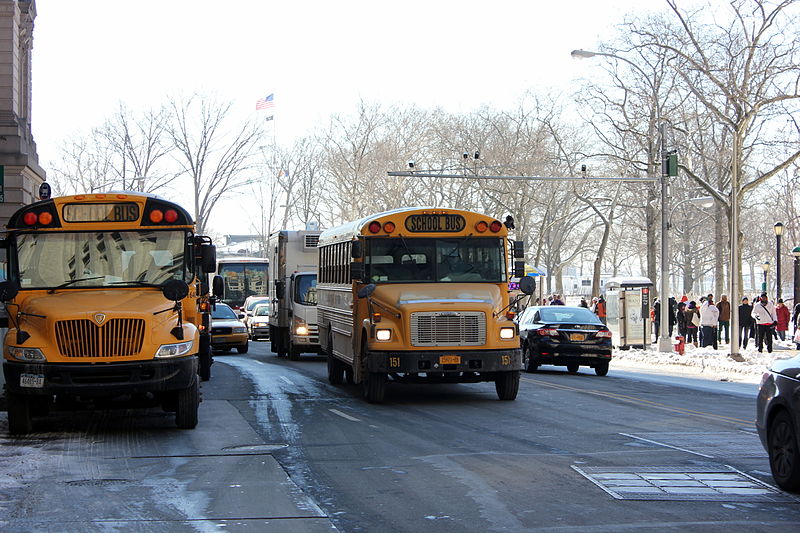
(706, 362)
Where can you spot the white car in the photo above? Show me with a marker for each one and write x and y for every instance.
(249, 304)
(258, 324)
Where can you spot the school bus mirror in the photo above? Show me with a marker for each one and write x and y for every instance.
(175, 289)
(519, 269)
(8, 290)
(356, 250)
(204, 287)
(527, 284)
(208, 258)
(519, 249)
(366, 290)
(357, 271)
(218, 286)
(4, 319)
(279, 290)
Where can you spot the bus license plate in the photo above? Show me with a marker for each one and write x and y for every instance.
(577, 337)
(33, 381)
(450, 360)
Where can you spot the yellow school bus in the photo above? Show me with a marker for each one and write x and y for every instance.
(106, 297)
(419, 295)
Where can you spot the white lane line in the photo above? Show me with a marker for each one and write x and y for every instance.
(287, 380)
(667, 445)
(343, 415)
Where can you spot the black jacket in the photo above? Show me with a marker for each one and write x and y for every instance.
(745, 315)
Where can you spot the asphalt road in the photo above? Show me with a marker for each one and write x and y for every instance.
(279, 449)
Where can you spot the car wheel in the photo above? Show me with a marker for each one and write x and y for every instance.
(572, 368)
(335, 371)
(20, 417)
(784, 456)
(507, 385)
(532, 365)
(243, 349)
(601, 369)
(187, 405)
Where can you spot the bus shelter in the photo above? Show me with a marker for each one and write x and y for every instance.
(628, 311)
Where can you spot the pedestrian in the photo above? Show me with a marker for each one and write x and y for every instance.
(709, 318)
(557, 300)
(671, 314)
(692, 321)
(584, 303)
(724, 307)
(782, 312)
(680, 318)
(765, 320)
(745, 322)
(655, 316)
(796, 319)
(600, 309)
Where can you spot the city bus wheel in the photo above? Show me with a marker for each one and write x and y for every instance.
(374, 387)
(20, 418)
(335, 371)
(507, 385)
(187, 405)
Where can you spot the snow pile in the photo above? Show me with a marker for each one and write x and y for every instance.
(707, 362)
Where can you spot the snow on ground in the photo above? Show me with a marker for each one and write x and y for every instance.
(706, 362)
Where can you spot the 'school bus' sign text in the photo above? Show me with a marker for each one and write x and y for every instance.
(435, 223)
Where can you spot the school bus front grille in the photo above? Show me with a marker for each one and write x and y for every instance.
(448, 329)
(119, 337)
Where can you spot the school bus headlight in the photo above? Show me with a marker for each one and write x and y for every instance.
(383, 334)
(174, 350)
(26, 354)
(507, 333)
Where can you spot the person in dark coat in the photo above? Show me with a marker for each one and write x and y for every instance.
(724, 307)
(672, 308)
(691, 328)
(680, 318)
(745, 322)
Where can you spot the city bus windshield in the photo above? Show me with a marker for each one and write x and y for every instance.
(412, 260)
(103, 258)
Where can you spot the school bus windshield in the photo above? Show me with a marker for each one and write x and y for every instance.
(103, 258)
(412, 260)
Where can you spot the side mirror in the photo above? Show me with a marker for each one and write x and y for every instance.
(241, 316)
(8, 290)
(357, 270)
(208, 258)
(280, 290)
(175, 289)
(527, 284)
(204, 288)
(519, 269)
(366, 290)
(356, 250)
(519, 249)
(218, 286)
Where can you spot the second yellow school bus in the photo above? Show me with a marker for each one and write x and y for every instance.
(418, 295)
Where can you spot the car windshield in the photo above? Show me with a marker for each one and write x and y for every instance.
(251, 305)
(412, 260)
(261, 310)
(562, 314)
(102, 258)
(223, 312)
(305, 289)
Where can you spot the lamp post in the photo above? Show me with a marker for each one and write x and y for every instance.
(778, 227)
(664, 342)
(796, 254)
(765, 267)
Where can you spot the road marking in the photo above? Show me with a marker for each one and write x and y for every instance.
(343, 415)
(640, 401)
(667, 445)
(287, 380)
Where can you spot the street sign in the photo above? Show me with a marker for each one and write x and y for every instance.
(44, 191)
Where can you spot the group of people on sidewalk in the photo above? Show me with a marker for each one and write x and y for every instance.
(703, 324)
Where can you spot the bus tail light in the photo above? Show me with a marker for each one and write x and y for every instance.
(388, 227)
(156, 216)
(30, 218)
(374, 226)
(171, 216)
(495, 226)
(481, 227)
(45, 218)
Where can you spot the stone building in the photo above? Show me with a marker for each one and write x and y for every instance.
(20, 173)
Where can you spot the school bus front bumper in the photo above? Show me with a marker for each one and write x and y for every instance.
(440, 361)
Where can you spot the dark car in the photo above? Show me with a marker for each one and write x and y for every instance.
(778, 421)
(564, 336)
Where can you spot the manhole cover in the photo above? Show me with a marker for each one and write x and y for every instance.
(710, 445)
(255, 448)
(680, 483)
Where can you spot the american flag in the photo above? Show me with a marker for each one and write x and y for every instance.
(265, 103)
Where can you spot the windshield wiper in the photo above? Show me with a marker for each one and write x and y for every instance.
(70, 282)
(135, 282)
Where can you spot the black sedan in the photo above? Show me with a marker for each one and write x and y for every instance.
(778, 421)
(564, 336)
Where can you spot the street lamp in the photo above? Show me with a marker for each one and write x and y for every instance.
(796, 254)
(664, 342)
(765, 267)
(778, 227)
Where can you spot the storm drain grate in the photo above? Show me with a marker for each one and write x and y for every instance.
(680, 483)
(719, 444)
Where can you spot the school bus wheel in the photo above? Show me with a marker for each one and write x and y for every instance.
(20, 417)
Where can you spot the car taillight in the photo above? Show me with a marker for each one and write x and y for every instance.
(603, 334)
(552, 332)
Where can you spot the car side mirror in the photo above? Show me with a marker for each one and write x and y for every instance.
(241, 316)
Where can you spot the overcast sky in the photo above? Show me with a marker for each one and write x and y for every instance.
(317, 57)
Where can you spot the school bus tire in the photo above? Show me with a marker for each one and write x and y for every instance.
(294, 352)
(20, 416)
(507, 385)
(187, 406)
(375, 387)
(204, 365)
(335, 371)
